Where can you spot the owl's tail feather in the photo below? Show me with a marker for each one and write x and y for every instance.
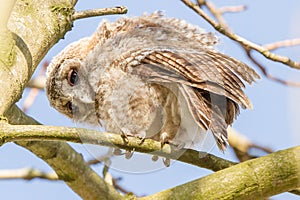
(211, 112)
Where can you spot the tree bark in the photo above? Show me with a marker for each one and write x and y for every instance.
(254, 179)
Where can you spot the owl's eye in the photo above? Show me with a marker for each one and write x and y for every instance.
(73, 77)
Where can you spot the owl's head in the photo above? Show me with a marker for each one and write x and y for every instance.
(67, 87)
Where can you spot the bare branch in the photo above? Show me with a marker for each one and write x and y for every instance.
(241, 145)
(218, 15)
(27, 174)
(232, 9)
(222, 27)
(246, 43)
(269, 76)
(281, 44)
(36, 85)
(99, 12)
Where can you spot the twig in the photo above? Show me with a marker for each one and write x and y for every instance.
(232, 9)
(119, 187)
(218, 15)
(246, 43)
(27, 174)
(97, 160)
(99, 12)
(269, 76)
(281, 44)
(226, 30)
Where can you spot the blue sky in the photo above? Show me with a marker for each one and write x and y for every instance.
(273, 122)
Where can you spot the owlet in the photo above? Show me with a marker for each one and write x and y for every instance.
(150, 77)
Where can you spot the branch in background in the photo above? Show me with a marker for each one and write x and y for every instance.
(269, 76)
(13, 133)
(260, 178)
(27, 174)
(241, 145)
(222, 27)
(281, 44)
(120, 188)
(99, 12)
(232, 9)
(36, 85)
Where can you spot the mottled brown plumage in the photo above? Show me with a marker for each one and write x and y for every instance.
(152, 77)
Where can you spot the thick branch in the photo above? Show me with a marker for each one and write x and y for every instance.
(30, 34)
(67, 163)
(253, 179)
(14, 133)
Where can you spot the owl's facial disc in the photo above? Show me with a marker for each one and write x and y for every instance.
(82, 103)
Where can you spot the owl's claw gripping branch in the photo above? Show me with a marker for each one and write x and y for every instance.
(124, 137)
(129, 154)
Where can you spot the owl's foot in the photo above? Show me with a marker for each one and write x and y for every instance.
(117, 152)
(128, 154)
(142, 137)
(125, 138)
(164, 138)
(167, 162)
(154, 158)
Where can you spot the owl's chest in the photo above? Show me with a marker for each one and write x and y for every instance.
(125, 99)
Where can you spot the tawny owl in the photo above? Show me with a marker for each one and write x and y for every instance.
(151, 77)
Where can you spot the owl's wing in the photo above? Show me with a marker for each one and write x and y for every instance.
(210, 82)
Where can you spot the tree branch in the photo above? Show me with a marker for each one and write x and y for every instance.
(99, 12)
(27, 174)
(247, 44)
(14, 133)
(283, 43)
(221, 23)
(72, 169)
(25, 39)
(254, 179)
(28, 40)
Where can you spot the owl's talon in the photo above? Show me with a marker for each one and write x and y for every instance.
(142, 141)
(154, 158)
(167, 162)
(163, 139)
(129, 154)
(117, 152)
(125, 138)
(142, 137)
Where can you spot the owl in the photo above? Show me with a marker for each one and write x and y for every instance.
(151, 77)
